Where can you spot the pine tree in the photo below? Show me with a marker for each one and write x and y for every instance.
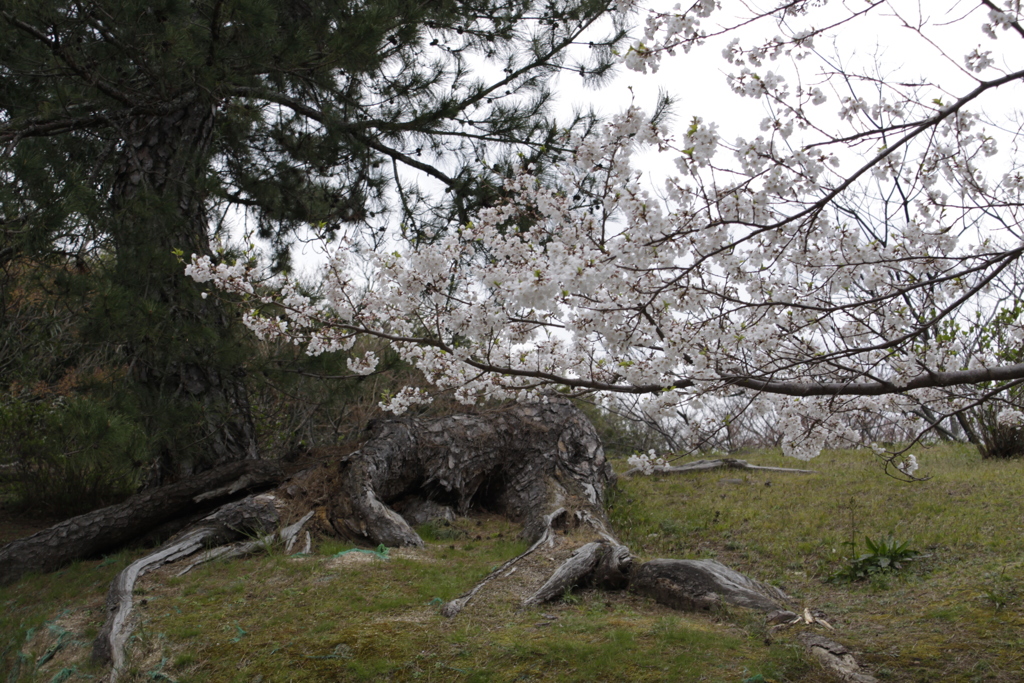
(131, 129)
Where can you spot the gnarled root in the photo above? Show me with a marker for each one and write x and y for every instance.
(703, 585)
(523, 462)
(453, 607)
(108, 528)
(252, 515)
(693, 585)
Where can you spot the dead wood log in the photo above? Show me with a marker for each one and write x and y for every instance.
(251, 516)
(837, 659)
(102, 530)
(703, 585)
(704, 465)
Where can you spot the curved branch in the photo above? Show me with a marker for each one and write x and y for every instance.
(926, 380)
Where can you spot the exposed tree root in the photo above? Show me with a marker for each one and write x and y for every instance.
(519, 461)
(539, 464)
(256, 516)
(600, 564)
(703, 585)
(289, 535)
(253, 515)
(695, 585)
(689, 585)
(453, 607)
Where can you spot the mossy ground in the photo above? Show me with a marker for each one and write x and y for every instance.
(954, 615)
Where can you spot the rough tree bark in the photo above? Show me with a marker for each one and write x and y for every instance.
(253, 515)
(524, 462)
(180, 345)
(106, 529)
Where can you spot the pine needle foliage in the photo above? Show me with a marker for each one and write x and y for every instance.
(130, 131)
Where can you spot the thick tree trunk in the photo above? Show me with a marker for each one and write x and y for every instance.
(525, 462)
(184, 357)
(108, 528)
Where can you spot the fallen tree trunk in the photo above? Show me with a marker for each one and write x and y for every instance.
(106, 529)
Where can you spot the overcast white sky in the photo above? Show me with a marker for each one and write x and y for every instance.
(882, 42)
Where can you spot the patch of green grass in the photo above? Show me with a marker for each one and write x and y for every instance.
(441, 530)
(940, 618)
(333, 546)
(954, 614)
(37, 611)
(323, 619)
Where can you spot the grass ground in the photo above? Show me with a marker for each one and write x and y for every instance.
(954, 615)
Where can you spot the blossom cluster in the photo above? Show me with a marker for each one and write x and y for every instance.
(760, 268)
(1010, 417)
(646, 462)
(908, 466)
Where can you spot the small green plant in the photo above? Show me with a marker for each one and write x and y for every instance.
(997, 598)
(1001, 591)
(884, 555)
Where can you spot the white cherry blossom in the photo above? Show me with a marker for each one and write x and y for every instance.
(819, 268)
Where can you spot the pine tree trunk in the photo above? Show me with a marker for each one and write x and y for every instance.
(183, 355)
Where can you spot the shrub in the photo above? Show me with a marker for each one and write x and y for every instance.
(1000, 441)
(69, 455)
